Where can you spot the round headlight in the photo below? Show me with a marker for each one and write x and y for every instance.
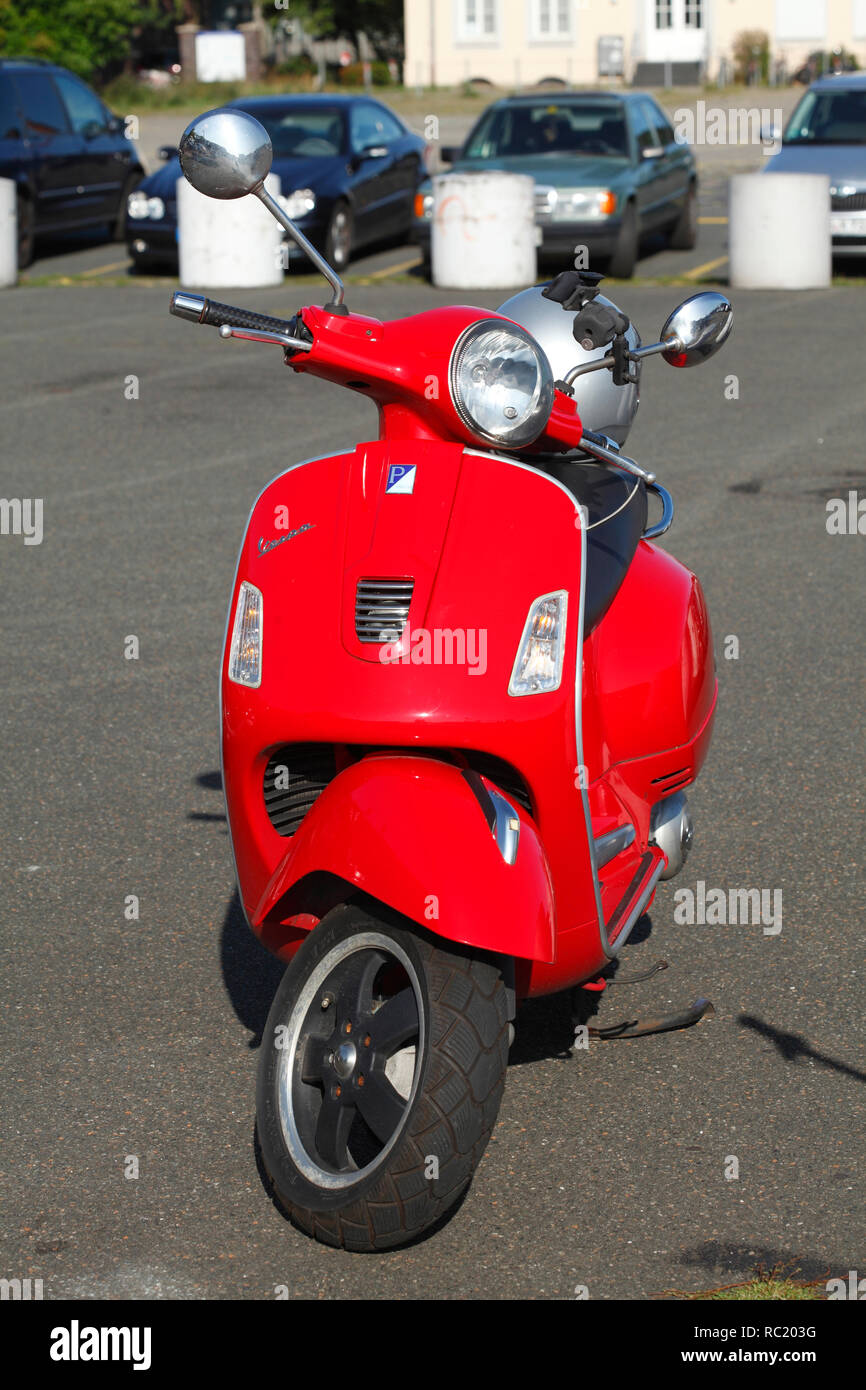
(137, 204)
(501, 383)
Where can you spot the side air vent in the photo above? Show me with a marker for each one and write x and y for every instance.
(295, 777)
(669, 781)
(382, 609)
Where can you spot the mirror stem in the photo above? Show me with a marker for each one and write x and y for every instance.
(300, 240)
(666, 345)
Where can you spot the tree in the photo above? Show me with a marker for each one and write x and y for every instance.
(380, 20)
(88, 36)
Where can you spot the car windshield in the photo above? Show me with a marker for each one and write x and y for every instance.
(302, 132)
(564, 128)
(829, 118)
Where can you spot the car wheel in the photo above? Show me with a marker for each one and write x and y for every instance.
(338, 238)
(380, 1078)
(684, 232)
(622, 262)
(119, 229)
(26, 232)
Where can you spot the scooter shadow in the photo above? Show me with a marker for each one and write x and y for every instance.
(545, 1028)
(250, 973)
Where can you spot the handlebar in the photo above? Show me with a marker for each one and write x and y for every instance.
(197, 309)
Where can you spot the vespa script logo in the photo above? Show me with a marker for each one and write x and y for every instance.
(266, 546)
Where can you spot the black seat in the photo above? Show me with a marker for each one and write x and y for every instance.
(611, 546)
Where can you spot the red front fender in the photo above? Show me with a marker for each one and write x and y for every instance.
(410, 832)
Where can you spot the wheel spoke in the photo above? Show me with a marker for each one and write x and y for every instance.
(396, 1023)
(381, 1106)
(332, 1132)
(356, 991)
(315, 1053)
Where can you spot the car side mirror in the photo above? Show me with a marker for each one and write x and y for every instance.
(368, 152)
(449, 154)
(94, 129)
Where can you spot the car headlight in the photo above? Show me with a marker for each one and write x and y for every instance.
(538, 664)
(582, 204)
(299, 203)
(245, 655)
(501, 383)
(138, 205)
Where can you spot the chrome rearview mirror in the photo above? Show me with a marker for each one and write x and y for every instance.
(227, 153)
(697, 328)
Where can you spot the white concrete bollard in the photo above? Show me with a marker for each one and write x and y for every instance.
(483, 231)
(231, 242)
(779, 231)
(8, 233)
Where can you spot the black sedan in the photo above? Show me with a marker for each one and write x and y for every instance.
(348, 169)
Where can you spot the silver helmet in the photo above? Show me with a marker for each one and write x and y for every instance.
(602, 407)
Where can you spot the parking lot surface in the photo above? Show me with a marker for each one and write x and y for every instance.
(148, 439)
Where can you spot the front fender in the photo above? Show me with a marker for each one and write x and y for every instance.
(411, 832)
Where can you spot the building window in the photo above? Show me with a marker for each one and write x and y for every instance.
(477, 20)
(694, 14)
(551, 19)
(664, 17)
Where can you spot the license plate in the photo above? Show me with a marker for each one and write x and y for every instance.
(847, 226)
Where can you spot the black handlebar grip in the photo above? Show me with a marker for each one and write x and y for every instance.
(217, 314)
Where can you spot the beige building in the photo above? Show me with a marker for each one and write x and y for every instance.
(516, 43)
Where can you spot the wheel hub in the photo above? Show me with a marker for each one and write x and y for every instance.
(345, 1058)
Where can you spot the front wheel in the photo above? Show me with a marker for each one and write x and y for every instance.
(684, 232)
(338, 238)
(380, 1078)
(118, 227)
(26, 231)
(622, 262)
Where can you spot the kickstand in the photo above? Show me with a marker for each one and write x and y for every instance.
(661, 1023)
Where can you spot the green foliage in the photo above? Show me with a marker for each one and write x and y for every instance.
(88, 36)
(744, 47)
(353, 75)
(380, 20)
(299, 65)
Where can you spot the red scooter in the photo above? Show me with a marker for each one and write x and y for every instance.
(454, 771)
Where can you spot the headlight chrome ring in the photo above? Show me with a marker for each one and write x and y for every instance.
(513, 383)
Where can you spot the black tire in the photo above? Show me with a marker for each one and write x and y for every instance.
(447, 1011)
(26, 231)
(118, 231)
(622, 263)
(684, 232)
(338, 238)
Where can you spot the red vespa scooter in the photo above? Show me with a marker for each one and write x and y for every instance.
(461, 696)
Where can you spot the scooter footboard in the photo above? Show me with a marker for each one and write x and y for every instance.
(440, 845)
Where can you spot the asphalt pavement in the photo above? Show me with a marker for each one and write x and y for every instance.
(135, 1038)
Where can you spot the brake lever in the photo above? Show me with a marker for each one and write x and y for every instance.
(606, 450)
(257, 335)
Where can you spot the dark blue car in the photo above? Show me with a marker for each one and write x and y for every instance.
(348, 170)
(65, 151)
